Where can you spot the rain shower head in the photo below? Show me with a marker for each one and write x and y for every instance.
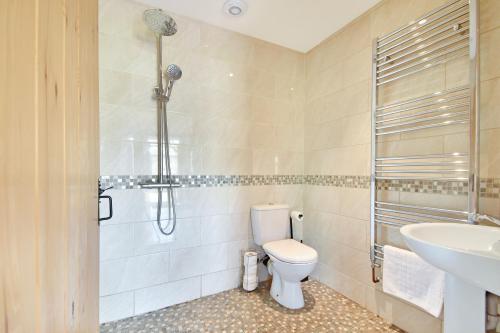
(173, 72)
(159, 22)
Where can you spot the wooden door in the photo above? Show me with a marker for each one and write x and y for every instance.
(49, 165)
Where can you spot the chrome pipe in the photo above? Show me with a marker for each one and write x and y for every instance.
(454, 22)
(429, 14)
(422, 53)
(420, 40)
(426, 59)
(425, 119)
(160, 186)
(392, 224)
(408, 220)
(425, 105)
(429, 104)
(444, 179)
(429, 65)
(159, 105)
(436, 171)
(373, 155)
(420, 164)
(444, 108)
(445, 123)
(437, 217)
(440, 210)
(483, 217)
(425, 97)
(474, 129)
(427, 23)
(410, 157)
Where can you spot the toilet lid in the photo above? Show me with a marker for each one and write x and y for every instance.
(291, 251)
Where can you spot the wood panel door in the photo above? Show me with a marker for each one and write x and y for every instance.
(49, 165)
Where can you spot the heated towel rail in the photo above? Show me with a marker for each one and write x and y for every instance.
(446, 34)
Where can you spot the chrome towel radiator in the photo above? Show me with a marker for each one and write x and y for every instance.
(448, 33)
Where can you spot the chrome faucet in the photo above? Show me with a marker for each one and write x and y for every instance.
(483, 217)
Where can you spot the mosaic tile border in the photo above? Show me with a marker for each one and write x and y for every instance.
(132, 182)
(489, 187)
(338, 181)
(424, 186)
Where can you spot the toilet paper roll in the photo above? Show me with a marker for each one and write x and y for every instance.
(251, 270)
(249, 279)
(249, 286)
(297, 224)
(297, 215)
(250, 258)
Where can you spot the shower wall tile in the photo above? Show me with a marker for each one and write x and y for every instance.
(196, 261)
(115, 240)
(224, 228)
(116, 306)
(214, 283)
(149, 239)
(124, 123)
(132, 273)
(137, 60)
(157, 297)
(117, 157)
(122, 88)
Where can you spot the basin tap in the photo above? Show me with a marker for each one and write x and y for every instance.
(479, 217)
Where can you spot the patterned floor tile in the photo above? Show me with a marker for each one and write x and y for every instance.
(237, 311)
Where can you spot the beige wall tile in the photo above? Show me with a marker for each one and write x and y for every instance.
(490, 153)
(489, 14)
(420, 146)
(357, 67)
(325, 82)
(490, 107)
(278, 60)
(400, 313)
(489, 54)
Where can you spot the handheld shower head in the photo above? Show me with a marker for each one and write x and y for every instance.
(173, 72)
(159, 22)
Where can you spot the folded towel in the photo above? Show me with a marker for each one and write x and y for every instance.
(409, 277)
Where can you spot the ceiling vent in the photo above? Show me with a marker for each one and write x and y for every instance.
(235, 8)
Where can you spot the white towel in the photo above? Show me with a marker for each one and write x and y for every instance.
(409, 277)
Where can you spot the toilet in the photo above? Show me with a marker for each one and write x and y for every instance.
(290, 261)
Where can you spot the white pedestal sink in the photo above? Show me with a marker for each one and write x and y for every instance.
(470, 256)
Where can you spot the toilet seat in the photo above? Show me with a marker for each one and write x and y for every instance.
(291, 251)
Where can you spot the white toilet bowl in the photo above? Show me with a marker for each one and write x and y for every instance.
(290, 262)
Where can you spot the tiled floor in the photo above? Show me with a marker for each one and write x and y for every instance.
(238, 311)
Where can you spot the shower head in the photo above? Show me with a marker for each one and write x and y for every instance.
(173, 72)
(159, 22)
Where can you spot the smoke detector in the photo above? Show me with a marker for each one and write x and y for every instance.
(235, 8)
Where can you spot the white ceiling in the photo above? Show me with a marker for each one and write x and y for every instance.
(297, 24)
